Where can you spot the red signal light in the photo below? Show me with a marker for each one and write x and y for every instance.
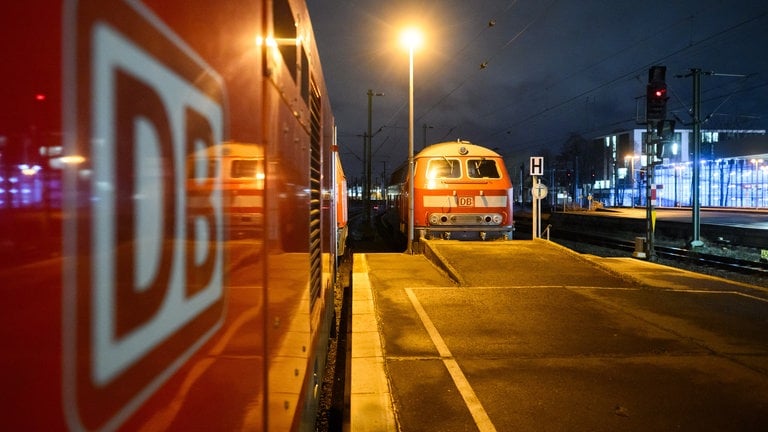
(656, 98)
(656, 95)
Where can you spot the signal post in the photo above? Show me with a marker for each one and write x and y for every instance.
(658, 130)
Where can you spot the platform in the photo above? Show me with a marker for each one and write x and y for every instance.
(528, 335)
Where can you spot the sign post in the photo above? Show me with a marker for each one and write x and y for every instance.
(538, 192)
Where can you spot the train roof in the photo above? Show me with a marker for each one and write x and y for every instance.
(457, 148)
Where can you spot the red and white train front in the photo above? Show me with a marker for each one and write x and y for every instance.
(461, 190)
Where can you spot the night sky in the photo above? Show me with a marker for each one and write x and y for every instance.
(523, 76)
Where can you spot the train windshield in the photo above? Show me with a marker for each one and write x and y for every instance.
(246, 168)
(443, 168)
(482, 168)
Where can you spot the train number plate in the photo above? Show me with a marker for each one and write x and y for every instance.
(466, 201)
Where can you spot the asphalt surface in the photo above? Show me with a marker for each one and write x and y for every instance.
(526, 335)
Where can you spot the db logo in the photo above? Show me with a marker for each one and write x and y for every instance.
(146, 288)
(466, 201)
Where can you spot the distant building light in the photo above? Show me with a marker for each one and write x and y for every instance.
(29, 170)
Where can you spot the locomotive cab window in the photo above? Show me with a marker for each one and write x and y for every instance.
(482, 168)
(443, 168)
(246, 168)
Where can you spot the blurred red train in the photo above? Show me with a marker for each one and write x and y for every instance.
(139, 142)
(461, 190)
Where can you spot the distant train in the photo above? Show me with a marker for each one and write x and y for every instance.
(341, 200)
(172, 210)
(461, 190)
(239, 169)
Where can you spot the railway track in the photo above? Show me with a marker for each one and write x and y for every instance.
(691, 257)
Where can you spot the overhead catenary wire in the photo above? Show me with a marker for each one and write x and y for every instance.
(631, 73)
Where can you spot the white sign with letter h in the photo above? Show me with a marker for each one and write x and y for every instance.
(537, 165)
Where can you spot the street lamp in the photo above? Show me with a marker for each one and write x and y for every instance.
(412, 39)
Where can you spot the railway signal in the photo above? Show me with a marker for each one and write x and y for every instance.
(656, 94)
(655, 114)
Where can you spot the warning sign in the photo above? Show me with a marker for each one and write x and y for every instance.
(147, 288)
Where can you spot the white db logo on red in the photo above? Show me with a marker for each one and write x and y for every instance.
(149, 274)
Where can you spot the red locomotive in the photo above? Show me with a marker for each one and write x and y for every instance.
(138, 139)
(461, 190)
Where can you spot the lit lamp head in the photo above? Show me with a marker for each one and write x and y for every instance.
(411, 38)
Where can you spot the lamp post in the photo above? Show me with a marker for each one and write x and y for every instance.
(411, 38)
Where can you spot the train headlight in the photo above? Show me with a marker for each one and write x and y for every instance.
(492, 219)
(433, 219)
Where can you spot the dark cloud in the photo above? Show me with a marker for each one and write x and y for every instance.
(542, 72)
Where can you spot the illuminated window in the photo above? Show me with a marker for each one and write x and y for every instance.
(443, 168)
(245, 168)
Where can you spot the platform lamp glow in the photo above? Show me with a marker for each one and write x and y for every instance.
(411, 39)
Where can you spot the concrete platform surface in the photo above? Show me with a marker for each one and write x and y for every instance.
(528, 335)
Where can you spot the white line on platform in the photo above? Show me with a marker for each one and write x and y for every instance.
(481, 418)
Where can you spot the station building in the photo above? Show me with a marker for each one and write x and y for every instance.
(733, 169)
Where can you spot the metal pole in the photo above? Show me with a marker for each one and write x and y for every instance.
(426, 126)
(538, 209)
(410, 151)
(534, 207)
(367, 164)
(696, 205)
(649, 216)
(632, 180)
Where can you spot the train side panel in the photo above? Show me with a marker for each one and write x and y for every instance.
(138, 142)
